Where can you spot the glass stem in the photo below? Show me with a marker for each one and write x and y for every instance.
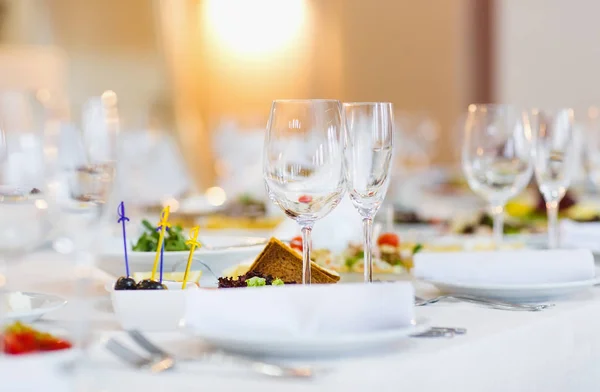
(306, 248)
(552, 211)
(498, 217)
(368, 249)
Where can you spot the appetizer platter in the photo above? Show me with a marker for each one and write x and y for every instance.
(217, 251)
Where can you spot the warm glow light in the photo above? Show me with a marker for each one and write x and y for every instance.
(216, 196)
(257, 26)
(172, 203)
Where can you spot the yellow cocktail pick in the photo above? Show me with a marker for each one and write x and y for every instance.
(163, 224)
(193, 243)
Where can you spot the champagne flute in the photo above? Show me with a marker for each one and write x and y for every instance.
(556, 158)
(303, 163)
(496, 157)
(368, 158)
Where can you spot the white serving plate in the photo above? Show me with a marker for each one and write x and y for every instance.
(228, 251)
(150, 310)
(516, 293)
(308, 346)
(40, 305)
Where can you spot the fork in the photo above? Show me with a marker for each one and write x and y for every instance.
(441, 332)
(264, 368)
(156, 365)
(487, 302)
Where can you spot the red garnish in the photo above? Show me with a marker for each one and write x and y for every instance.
(305, 199)
(21, 339)
(389, 239)
(296, 243)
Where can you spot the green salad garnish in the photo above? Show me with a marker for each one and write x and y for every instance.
(148, 241)
(256, 282)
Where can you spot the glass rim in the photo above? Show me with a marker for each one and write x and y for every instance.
(366, 103)
(319, 100)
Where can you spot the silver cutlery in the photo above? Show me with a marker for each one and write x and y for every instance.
(441, 332)
(496, 304)
(161, 360)
(138, 361)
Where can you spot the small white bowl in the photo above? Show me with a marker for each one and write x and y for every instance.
(150, 310)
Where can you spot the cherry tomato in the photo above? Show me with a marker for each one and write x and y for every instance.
(19, 343)
(54, 345)
(305, 199)
(296, 243)
(390, 239)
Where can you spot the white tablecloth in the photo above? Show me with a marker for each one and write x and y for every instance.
(554, 350)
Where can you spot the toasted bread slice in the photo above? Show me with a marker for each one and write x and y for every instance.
(280, 261)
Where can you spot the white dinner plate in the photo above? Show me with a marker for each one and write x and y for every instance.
(40, 305)
(308, 346)
(221, 252)
(516, 293)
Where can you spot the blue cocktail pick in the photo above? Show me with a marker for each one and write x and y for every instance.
(122, 220)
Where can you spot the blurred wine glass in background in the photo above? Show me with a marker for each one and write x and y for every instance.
(497, 157)
(24, 201)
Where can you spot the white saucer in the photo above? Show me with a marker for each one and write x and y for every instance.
(516, 293)
(308, 346)
(40, 305)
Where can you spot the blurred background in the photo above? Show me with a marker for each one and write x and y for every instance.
(195, 78)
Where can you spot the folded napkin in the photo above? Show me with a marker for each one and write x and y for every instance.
(301, 310)
(507, 267)
(583, 235)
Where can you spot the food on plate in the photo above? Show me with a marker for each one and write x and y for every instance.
(410, 217)
(237, 270)
(148, 241)
(125, 283)
(193, 277)
(145, 283)
(250, 279)
(483, 224)
(526, 214)
(149, 284)
(19, 339)
(296, 243)
(390, 255)
(278, 259)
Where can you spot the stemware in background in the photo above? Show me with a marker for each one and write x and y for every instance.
(23, 197)
(80, 165)
(497, 157)
(556, 158)
(591, 146)
(303, 163)
(368, 157)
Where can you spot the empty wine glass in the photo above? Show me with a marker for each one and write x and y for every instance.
(23, 200)
(81, 155)
(368, 156)
(303, 163)
(556, 159)
(496, 157)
